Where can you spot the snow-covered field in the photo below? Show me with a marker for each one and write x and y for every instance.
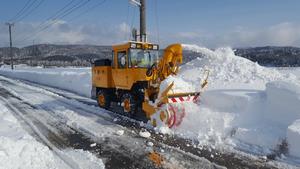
(246, 106)
(77, 80)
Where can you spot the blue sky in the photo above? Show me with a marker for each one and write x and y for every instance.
(211, 23)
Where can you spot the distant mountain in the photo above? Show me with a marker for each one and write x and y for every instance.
(59, 55)
(271, 56)
(83, 55)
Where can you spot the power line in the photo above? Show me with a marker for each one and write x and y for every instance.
(61, 10)
(51, 18)
(20, 12)
(62, 15)
(27, 8)
(55, 16)
(87, 10)
(31, 11)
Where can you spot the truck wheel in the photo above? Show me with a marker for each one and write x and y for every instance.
(129, 104)
(103, 99)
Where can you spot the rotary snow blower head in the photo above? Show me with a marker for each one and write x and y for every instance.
(166, 107)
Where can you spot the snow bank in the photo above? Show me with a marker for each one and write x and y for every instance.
(293, 138)
(18, 149)
(291, 71)
(283, 102)
(226, 69)
(75, 80)
(245, 103)
(208, 127)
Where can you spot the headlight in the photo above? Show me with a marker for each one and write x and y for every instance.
(155, 47)
(133, 45)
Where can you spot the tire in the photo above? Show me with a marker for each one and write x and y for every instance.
(129, 104)
(103, 99)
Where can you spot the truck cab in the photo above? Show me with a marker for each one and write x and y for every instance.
(130, 62)
(124, 76)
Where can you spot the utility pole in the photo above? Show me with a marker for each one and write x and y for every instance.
(143, 36)
(10, 44)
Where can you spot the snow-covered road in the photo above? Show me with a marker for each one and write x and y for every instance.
(66, 125)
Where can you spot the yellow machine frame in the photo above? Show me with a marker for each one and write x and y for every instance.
(120, 78)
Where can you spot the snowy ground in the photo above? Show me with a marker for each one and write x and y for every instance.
(72, 127)
(18, 149)
(246, 107)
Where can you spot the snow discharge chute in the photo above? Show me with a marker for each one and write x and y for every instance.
(163, 105)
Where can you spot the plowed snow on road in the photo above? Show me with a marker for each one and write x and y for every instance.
(65, 125)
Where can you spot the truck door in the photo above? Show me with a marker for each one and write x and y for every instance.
(120, 70)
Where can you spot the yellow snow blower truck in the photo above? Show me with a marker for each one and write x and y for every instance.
(132, 79)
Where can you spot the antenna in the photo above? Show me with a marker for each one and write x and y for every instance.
(142, 5)
(135, 3)
(134, 34)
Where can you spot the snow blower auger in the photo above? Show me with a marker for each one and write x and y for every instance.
(165, 107)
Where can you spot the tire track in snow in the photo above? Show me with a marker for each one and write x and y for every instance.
(68, 161)
(75, 140)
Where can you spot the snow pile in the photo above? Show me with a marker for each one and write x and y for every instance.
(290, 71)
(20, 150)
(283, 102)
(208, 127)
(245, 104)
(226, 68)
(179, 85)
(144, 134)
(293, 136)
(75, 80)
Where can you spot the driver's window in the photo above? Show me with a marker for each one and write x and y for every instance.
(122, 61)
(139, 58)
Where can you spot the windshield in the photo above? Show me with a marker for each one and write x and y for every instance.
(142, 58)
